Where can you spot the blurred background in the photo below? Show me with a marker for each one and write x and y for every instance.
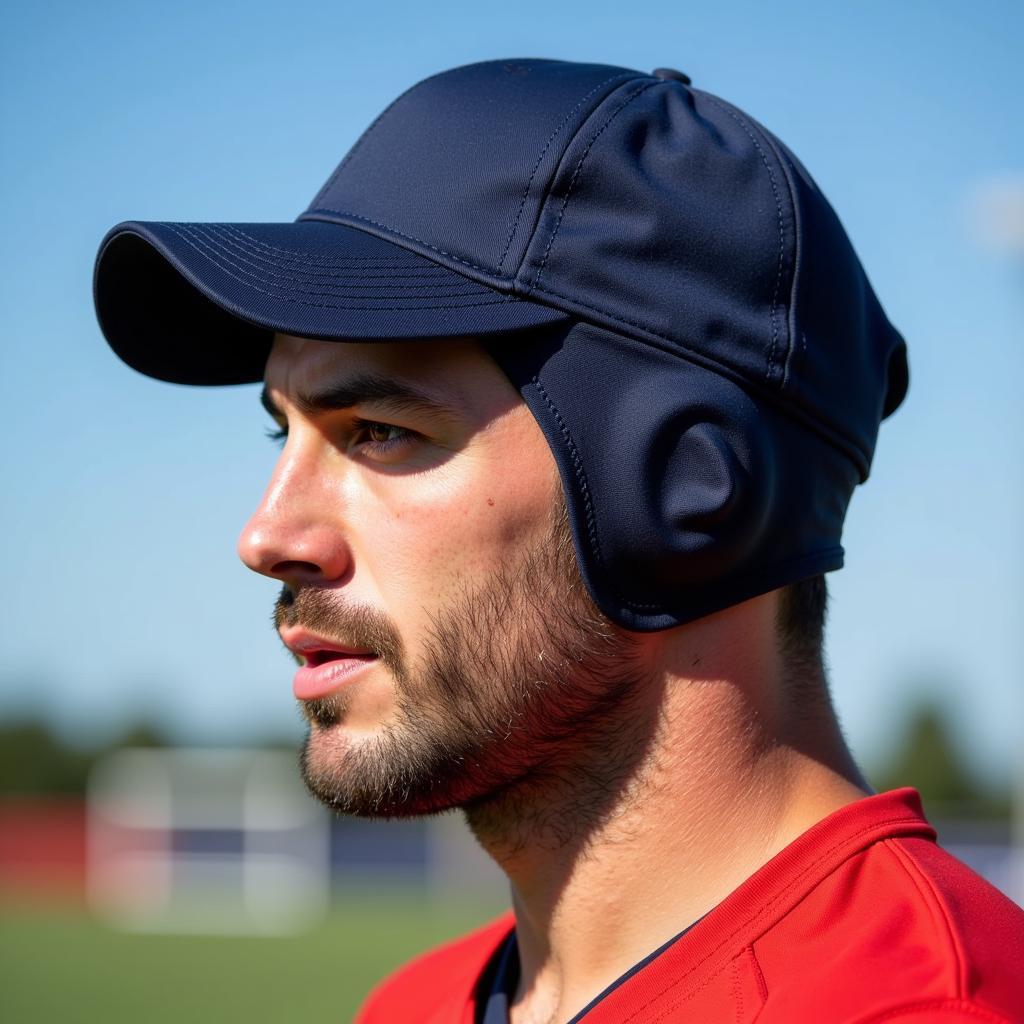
(132, 631)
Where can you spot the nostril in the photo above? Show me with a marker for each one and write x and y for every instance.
(295, 568)
(301, 551)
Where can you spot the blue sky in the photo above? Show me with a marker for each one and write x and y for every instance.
(124, 497)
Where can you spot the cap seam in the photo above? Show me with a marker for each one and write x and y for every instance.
(308, 215)
(236, 259)
(388, 263)
(793, 356)
(581, 479)
(298, 255)
(226, 242)
(772, 316)
(848, 446)
(353, 273)
(328, 305)
(579, 166)
(626, 76)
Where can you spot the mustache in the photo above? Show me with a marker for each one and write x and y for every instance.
(320, 611)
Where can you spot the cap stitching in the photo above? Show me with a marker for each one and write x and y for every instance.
(405, 262)
(785, 166)
(581, 479)
(853, 450)
(400, 234)
(331, 305)
(565, 202)
(790, 359)
(433, 272)
(778, 209)
(235, 259)
(547, 145)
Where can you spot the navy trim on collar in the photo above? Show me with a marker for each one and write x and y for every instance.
(504, 971)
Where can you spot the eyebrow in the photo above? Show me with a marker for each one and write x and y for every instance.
(395, 395)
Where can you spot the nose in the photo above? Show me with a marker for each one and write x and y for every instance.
(296, 534)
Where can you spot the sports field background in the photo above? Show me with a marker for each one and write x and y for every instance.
(127, 610)
(58, 965)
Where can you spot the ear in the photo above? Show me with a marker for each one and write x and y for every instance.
(685, 494)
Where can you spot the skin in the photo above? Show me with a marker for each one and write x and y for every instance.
(638, 816)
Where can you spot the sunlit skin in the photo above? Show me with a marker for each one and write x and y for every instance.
(399, 510)
(397, 528)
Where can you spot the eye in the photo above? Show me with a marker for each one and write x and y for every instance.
(382, 438)
(382, 433)
(379, 439)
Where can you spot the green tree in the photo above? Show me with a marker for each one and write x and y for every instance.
(930, 758)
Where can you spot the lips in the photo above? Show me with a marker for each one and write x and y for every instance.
(328, 665)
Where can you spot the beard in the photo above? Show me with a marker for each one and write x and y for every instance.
(518, 675)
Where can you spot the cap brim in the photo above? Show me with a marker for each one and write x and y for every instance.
(199, 303)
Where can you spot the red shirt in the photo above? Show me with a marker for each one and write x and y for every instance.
(861, 919)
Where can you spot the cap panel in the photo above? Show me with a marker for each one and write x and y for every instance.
(848, 366)
(457, 167)
(623, 240)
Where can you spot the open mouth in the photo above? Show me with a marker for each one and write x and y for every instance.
(324, 666)
(316, 658)
(325, 672)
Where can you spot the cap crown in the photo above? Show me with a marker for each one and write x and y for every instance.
(645, 206)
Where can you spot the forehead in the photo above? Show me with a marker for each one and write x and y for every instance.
(456, 368)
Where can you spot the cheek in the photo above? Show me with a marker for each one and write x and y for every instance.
(430, 538)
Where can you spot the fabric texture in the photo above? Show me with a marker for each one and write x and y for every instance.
(686, 494)
(863, 919)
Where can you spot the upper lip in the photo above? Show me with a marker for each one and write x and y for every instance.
(304, 644)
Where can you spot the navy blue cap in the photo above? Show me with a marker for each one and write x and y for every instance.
(657, 273)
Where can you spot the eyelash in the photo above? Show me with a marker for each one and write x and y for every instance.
(377, 447)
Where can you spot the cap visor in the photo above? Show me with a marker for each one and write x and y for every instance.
(199, 303)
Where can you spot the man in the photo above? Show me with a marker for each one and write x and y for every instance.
(554, 553)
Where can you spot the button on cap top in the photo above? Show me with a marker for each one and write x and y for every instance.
(671, 75)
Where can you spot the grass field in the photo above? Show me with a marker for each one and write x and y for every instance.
(62, 965)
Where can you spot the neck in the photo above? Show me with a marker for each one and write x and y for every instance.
(659, 813)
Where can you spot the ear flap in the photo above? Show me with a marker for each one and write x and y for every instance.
(684, 493)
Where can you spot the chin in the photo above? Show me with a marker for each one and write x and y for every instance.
(377, 775)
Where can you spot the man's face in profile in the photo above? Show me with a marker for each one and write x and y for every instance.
(447, 645)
